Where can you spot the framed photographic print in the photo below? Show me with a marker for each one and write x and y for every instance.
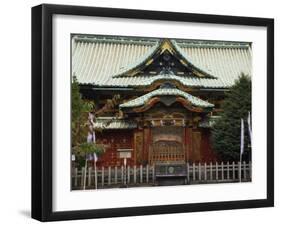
(147, 112)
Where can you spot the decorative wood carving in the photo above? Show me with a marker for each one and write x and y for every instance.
(159, 82)
(155, 100)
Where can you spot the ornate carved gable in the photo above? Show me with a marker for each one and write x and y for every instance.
(167, 94)
(166, 60)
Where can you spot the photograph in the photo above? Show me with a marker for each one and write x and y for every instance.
(147, 112)
(151, 111)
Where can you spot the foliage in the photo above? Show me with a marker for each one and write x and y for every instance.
(88, 148)
(83, 150)
(79, 115)
(226, 132)
(80, 125)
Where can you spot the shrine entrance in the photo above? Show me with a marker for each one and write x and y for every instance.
(167, 145)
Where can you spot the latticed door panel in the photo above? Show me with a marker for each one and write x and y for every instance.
(167, 145)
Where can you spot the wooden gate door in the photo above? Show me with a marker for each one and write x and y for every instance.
(167, 145)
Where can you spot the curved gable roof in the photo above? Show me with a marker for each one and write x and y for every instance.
(195, 101)
(164, 45)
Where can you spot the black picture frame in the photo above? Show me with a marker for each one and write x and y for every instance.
(42, 84)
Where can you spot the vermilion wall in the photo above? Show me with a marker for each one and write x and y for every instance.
(207, 153)
(112, 140)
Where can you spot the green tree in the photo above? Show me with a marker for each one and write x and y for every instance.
(79, 125)
(226, 132)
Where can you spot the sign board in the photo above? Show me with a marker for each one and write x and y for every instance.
(124, 153)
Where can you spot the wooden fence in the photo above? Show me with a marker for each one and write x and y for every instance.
(109, 177)
(219, 172)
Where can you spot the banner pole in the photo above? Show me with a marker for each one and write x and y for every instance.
(240, 168)
(96, 179)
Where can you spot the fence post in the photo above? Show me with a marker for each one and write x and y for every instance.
(96, 176)
(217, 173)
(128, 174)
(75, 177)
(125, 174)
(147, 173)
(102, 176)
(222, 171)
(115, 174)
(244, 170)
(90, 176)
(211, 171)
(135, 174)
(227, 170)
(187, 172)
(82, 176)
(233, 171)
(109, 175)
(199, 171)
(193, 171)
(250, 170)
(122, 174)
(205, 171)
(153, 173)
(239, 170)
(141, 174)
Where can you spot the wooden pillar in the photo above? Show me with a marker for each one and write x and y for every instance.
(185, 143)
(188, 143)
(196, 145)
(147, 140)
(138, 146)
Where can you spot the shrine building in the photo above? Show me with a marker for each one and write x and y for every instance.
(170, 90)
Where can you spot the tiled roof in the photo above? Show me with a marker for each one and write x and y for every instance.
(195, 101)
(95, 62)
(113, 123)
(98, 60)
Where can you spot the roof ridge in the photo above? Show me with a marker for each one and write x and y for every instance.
(211, 43)
(150, 41)
(115, 39)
